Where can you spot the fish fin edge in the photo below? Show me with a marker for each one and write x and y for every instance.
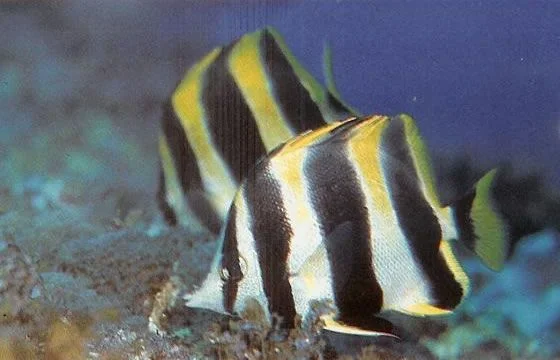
(425, 309)
(334, 325)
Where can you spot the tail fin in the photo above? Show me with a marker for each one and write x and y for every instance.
(481, 224)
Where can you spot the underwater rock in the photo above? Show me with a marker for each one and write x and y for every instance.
(19, 281)
(41, 193)
(359, 347)
(489, 350)
(5, 200)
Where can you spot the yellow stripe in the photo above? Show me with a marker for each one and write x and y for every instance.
(366, 155)
(247, 68)
(173, 191)
(287, 164)
(187, 103)
(419, 153)
(402, 282)
(306, 232)
(451, 260)
(288, 169)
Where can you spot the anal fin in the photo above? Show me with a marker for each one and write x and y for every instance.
(425, 310)
(364, 326)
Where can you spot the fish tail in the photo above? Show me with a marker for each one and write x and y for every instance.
(482, 225)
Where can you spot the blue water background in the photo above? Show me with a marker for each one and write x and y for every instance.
(480, 77)
(82, 83)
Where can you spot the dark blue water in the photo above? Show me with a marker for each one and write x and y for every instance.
(480, 77)
(81, 88)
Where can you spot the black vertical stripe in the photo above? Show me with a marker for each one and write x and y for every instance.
(462, 216)
(232, 125)
(167, 211)
(300, 110)
(181, 151)
(230, 262)
(272, 232)
(515, 200)
(340, 206)
(415, 216)
(339, 108)
(187, 169)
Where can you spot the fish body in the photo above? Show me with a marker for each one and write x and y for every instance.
(348, 214)
(308, 207)
(232, 107)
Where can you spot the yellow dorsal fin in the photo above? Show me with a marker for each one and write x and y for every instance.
(363, 130)
(312, 136)
(358, 128)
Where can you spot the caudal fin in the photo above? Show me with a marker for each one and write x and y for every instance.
(481, 224)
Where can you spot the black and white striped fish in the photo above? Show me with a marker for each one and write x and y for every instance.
(346, 212)
(349, 214)
(232, 107)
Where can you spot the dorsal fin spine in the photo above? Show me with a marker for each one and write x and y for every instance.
(330, 81)
(316, 91)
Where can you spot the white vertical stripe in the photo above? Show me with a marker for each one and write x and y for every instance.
(251, 285)
(396, 271)
(307, 261)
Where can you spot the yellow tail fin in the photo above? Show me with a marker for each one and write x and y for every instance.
(481, 225)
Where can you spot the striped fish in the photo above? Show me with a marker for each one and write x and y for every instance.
(348, 214)
(232, 107)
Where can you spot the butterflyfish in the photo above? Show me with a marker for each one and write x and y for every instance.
(310, 208)
(232, 107)
(348, 214)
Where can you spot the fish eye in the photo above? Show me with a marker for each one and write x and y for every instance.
(224, 274)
